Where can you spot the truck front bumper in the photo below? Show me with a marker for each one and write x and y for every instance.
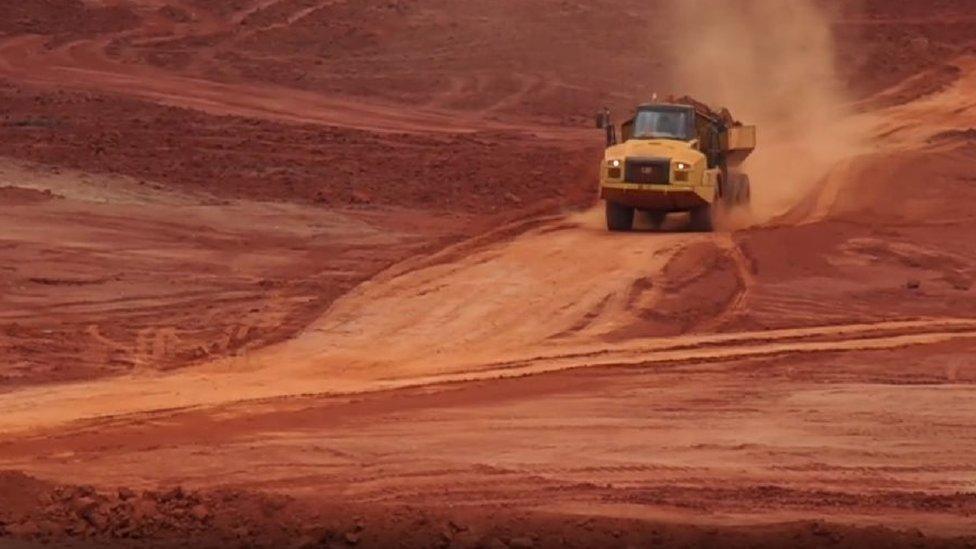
(669, 198)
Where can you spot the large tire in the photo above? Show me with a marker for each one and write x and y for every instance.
(741, 189)
(702, 219)
(746, 194)
(619, 217)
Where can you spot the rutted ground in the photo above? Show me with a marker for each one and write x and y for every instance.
(566, 294)
(107, 276)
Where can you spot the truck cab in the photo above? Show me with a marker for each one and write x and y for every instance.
(672, 158)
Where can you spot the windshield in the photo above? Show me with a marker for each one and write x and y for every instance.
(664, 124)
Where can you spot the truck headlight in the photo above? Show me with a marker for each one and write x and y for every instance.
(682, 166)
(615, 163)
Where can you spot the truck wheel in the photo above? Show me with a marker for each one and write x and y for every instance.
(746, 191)
(701, 219)
(742, 189)
(619, 217)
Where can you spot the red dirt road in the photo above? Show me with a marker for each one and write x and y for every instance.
(366, 306)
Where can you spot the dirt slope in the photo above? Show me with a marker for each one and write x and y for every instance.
(548, 314)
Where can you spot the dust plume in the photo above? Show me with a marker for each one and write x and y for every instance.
(772, 63)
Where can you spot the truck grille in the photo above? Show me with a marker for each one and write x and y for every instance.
(648, 171)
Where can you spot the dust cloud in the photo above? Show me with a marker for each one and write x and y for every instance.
(772, 63)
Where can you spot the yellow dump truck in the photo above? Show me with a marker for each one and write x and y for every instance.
(678, 156)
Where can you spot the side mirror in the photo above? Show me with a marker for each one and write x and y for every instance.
(603, 122)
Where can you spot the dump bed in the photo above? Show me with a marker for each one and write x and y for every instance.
(738, 143)
(736, 140)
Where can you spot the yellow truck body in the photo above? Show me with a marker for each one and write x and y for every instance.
(674, 158)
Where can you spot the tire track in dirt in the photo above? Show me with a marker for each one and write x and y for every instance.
(83, 64)
(746, 280)
(648, 356)
(495, 307)
(290, 19)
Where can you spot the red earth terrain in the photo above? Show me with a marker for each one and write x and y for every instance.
(322, 273)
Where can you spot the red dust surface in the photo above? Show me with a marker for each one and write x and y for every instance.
(13, 196)
(322, 273)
